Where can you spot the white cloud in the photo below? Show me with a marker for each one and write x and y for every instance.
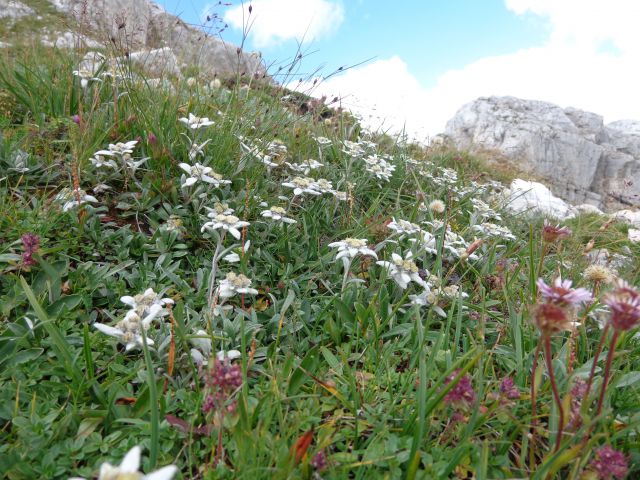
(275, 21)
(575, 67)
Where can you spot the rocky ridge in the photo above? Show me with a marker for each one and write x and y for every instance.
(582, 159)
(149, 34)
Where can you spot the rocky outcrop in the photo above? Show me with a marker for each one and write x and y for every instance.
(13, 9)
(146, 29)
(582, 160)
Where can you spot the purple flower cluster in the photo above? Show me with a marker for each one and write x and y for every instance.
(462, 393)
(31, 244)
(509, 389)
(319, 461)
(624, 302)
(224, 378)
(609, 463)
(562, 294)
(551, 234)
(557, 310)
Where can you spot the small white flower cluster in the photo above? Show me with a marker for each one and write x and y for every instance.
(272, 155)
(403, 270)
(199, 172)
(120, 151)
(145, 307)
(226, 223)
(454, 245)
(203, 349)
(305, 166)
(73, 198)
(322, 141)
(404, 227)
(350, 247)
(277, 214)
(492, 230)
(482, 212)
(195, 123)
(235, 283)
(379, 166)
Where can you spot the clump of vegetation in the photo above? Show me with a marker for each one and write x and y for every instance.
(205, 281)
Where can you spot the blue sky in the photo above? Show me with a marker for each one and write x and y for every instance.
(429, 57)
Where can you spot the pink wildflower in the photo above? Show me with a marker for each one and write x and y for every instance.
(562, 294)
(462, 393)
(609, 463)
(31, 244)
(551, 234)
(624, 302)
(509, 389)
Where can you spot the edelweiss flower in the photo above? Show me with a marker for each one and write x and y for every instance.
(353, 149)
(99, 161)
(322, 141)
(143, 302)
(403, 270)
(194, 122)
(128, 469)
(197, 149)
(350, 247)
(493, 230)
(200, 172)
(219, 209)
(302, 185)
(228, 223)
(118, 149)
(277, 213)
(85, 76)
(403, 227)
(203, 348)
(235, 283)
(379, 167)
(304, 167)
(128, 330)
(70, 197)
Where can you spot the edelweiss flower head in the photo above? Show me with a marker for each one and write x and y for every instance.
(278, 214)
(143, 302)
(228, 223)
(304, 167)
(128, 330)
(200, 172)
(302, 185)
(234, 284)
(194, 122)
(322, 141)
(379, 167)
(324, 186)
(70, 197)
(403, 227)
(495, 231)
(219, 209)
(128, 469)
(202, 349)
(350, 247)
(403, 270)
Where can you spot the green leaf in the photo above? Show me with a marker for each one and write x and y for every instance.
(68, 302)
(628, 379)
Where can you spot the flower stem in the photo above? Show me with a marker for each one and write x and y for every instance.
(554, 389)
(534, 406)
(214, 268)
(607, 369)
(153, 402)
(595, 362)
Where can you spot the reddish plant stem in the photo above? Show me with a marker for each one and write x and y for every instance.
(607, 370)
(554, 389)
(534, 406)
(592, 373)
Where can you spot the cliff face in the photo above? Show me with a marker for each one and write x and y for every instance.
(142, 26)
(583, 160)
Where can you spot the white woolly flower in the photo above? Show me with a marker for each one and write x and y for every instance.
(128, 330)
(219, 209)
(194, 122)
(379, 167)
(85, 75)
(494, 231)
(403, 227)
(228, 223)
(302, 185)
(324, 186)
(119, 149)
(203, 348)
(99, 161)
(304, 167)
(278, 214)
(322, 141)
(142, 302)
(200, 172)
(73, 198)
(128, 469)
(197, 149)
(403, 270)
(234, 284)
(350, 247)
(353, 149)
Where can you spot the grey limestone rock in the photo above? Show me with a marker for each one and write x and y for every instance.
(582, 160)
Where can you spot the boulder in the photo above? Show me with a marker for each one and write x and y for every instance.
(583, 160)
(157, 63)
(534, 198)
(13, 9)
(143, 26)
